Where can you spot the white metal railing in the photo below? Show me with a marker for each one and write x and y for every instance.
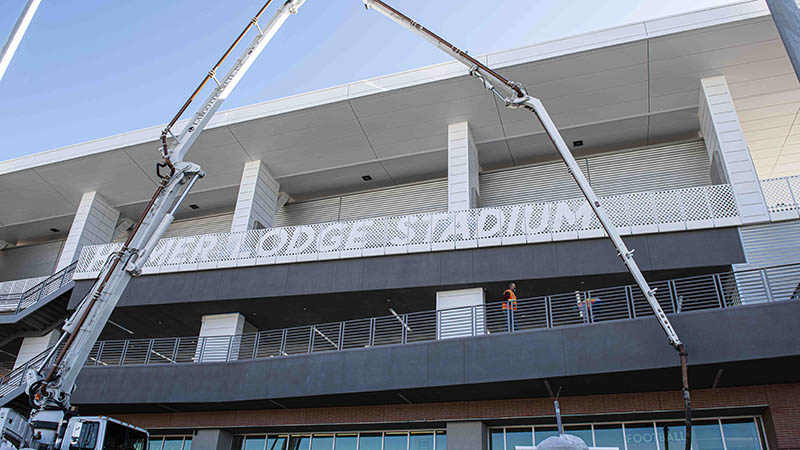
(783, 197)
(636, 213)
(712, 291)
(17, 287)
(16, 302)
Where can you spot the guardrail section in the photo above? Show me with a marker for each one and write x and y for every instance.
(637, 213)
(715, 291)
(13, 303)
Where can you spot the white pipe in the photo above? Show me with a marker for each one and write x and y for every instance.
(17, 33)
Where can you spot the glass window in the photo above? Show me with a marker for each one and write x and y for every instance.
(251, 443)
(441, 440)
(84, 435)
(609, 436)
(518, 436)
(346, 442)
(421, 441)
(155, 444)
(276, 442)
(322, 442)
(119, 437)
(187, 443)
(496, 441)
(395, 441)
(671, 435)
(370, 441)
(299, 442)
(640, 436)
(542, 433)
(741, 434)
(176, 443)
(584, 432)
(706, 435)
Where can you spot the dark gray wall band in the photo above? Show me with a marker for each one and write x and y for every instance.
(713, 337)
(702, 248)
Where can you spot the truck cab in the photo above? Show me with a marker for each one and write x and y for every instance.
(103, 433)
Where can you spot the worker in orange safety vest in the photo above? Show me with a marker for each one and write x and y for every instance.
(510, 296)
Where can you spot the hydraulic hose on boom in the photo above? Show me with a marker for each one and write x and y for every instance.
(50, 392)
(514, 96)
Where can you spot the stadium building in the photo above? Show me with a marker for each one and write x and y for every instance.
(335, 281)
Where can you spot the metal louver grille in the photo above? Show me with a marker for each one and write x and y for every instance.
(770, 244)
(540, 183)
(674, 166)
(401, 200)
(220, 223)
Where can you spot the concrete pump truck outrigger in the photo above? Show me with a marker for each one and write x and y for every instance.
(514, 96)
(50, 385)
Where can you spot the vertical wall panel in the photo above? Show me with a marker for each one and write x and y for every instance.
(29, 261)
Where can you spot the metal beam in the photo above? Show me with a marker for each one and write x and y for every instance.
(17, 33)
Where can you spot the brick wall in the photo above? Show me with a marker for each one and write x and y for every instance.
(783, 401)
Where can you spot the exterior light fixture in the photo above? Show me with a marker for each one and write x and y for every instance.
(366, 178)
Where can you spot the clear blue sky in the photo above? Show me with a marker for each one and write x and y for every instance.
(87, 69)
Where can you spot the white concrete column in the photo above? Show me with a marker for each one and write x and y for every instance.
(463, 187)
(32, 346)
(216, 328)
(93, 224)
(258, 198)
(727, 148)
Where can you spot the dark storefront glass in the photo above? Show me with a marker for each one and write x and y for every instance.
(741, 434)
(640, 436)
(496, 441)
(441, 440)
(346, 442)
(252, 443)
(395, 441)
(299, 442)
(276, 442)
(518, 436)
(322, 442)
(421, 441)
(609, 436)
(542, 433)
(584, 432)
(370, 441)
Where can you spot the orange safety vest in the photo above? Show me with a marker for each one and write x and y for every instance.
(512, 297)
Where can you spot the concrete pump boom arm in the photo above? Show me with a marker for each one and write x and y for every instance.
(50, 392)
(515, 96)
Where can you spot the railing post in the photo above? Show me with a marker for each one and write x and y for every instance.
(311, 340)
(175, 350)
(230, 348)
(372, 332)
(673, 295)
(340, 343)
(124, 353)
(765, 281)
(720, 291)
(99, 353)
(149, 351)
(282, 351)
(438, 324)
(629, 301)
(202, 343)
(255, 345)
(404, 336)
(474, 313)
(587, 295)
(548, 311)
